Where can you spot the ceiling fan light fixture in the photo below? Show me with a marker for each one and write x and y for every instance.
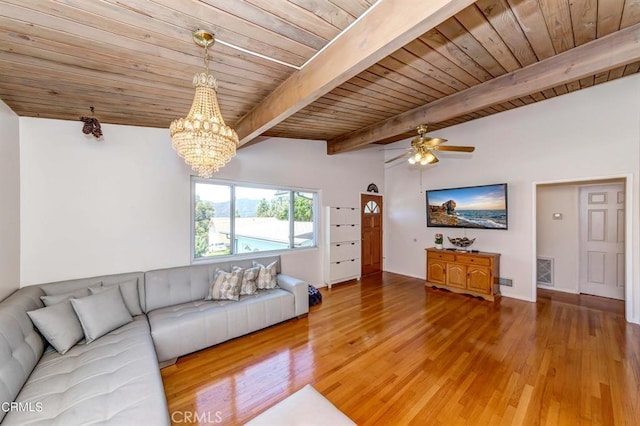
(422, 149)
(202, 138)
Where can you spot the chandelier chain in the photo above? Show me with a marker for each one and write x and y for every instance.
(206, 57)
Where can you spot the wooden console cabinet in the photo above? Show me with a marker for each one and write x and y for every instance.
(476, 274)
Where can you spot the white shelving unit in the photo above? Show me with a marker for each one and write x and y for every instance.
(342, 253)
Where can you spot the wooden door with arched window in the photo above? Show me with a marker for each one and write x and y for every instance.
(371, 211)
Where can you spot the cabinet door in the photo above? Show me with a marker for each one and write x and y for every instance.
(344, 215)
(436, 271)
(343, 270)
(344, 251)
(456, 275)
(345, 233)
(479, 279)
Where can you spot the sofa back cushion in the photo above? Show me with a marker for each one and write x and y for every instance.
(182, 284)
(131, 298)
(21, 346)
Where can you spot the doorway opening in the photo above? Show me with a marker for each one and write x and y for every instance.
(582, 238)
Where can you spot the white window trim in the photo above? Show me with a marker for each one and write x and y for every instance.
(234, 183)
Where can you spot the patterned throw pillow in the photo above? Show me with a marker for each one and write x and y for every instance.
(249, 277)
(225, 286)
(267, 275)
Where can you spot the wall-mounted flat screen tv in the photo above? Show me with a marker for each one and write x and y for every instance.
(482, 207)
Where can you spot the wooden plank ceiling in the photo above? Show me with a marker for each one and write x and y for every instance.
(134, 60)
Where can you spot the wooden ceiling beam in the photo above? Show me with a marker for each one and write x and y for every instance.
(385, 29)
(617, 49)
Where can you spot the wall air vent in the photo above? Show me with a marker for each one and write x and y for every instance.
(544, 268)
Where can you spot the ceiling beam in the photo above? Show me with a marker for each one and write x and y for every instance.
(611, 51)
(390, 25)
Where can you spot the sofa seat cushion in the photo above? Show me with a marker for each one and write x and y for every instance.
(113, 380)
(192, 326)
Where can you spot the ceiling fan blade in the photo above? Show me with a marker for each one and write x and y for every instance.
(455, 148)
(434, 160)
(431, 142)
(395, 158)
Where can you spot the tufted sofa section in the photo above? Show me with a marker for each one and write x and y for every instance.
(115, 380)
(20, 344)
(189, 327)
(182, 322)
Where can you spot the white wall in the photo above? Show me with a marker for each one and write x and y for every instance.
(122, 204)
(589, 133)
(558, 239)
(9, 201)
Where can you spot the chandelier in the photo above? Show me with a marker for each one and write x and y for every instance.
(202, 138)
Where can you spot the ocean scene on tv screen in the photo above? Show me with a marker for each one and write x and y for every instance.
(473, 207)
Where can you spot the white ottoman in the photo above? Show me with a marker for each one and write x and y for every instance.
(307, 407)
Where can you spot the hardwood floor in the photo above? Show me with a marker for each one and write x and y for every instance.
(390, 351)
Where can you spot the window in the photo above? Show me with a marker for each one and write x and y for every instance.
(263, 219)
(371, 207)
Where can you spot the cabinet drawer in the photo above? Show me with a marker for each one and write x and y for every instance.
(442, 256)
(344, 215)
(345, 232)
(345, 251)
(474, 260)
(345, 269)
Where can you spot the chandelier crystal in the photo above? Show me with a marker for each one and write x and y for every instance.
(202, 138)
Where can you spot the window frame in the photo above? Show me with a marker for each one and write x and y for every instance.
(232, 184)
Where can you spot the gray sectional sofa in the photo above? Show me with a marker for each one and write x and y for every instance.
(115, 379)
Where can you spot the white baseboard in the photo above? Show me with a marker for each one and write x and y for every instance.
(563, 290)
(405, 274)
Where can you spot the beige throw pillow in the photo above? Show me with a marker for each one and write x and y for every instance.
(249, 278)
(225, 285)
(267, 275)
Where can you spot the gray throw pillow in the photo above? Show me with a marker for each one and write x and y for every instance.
(129, 290)
(267, 275)
(57, 298)
(59, 325)
(101, 313)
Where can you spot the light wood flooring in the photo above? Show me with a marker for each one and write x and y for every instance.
(389, 351)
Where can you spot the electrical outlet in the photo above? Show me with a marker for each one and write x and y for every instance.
(506, 282)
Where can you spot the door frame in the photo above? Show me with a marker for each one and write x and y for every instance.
(631, 286)
(381, 225)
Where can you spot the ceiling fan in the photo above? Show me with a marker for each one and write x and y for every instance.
(423, 147)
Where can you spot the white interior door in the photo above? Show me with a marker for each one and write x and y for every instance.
(602, 240)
